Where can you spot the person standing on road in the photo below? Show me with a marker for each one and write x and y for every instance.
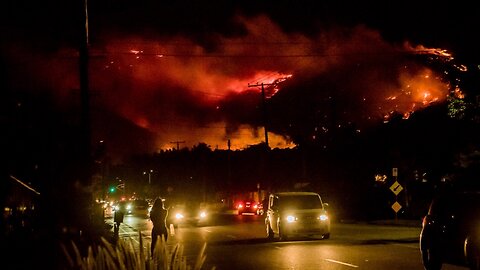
(118, 218)
(158, 216)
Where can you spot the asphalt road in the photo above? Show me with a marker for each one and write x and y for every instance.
(238, 242)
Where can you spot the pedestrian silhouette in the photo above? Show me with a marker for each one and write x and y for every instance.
(118, 218)
(158, 216)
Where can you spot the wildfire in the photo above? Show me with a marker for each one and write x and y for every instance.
(214, 136)
(426, 86)
(271, 83)
(434, 51)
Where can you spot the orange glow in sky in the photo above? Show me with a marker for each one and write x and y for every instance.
(176, 90)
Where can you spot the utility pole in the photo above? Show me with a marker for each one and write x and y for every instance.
(229, 169)
(84, 93)
(264, 108)
(83, 148)
(265, 124)
(264, 102)
(265, 121)
(229, 175)
(178, 144)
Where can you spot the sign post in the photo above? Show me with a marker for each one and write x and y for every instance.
(396, 188)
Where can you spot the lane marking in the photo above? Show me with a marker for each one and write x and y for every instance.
(343, 263)
(412, 246)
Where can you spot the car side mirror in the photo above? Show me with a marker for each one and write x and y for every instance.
(325, 206)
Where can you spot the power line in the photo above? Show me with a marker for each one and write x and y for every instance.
(159, 54)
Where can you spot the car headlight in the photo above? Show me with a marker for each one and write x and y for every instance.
(323, 217)
(291, 219)
(203, 214)
(178, 216)
(129, 207)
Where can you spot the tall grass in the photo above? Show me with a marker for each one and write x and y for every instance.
(122, 256)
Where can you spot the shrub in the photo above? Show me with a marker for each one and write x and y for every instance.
(123, 255)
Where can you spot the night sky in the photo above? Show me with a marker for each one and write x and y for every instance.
(191, 71)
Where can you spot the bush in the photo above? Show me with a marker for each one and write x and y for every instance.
(123, 255)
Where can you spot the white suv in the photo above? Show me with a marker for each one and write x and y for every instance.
(296, 214)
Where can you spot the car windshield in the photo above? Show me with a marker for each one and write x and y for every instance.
(300, 202)
(187, 206)
(141, 203)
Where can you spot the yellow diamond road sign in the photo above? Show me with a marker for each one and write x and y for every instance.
(396, 188)
(396, 207)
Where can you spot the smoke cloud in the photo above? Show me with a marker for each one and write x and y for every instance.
(178, 88)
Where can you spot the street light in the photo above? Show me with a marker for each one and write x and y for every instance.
(149, 176)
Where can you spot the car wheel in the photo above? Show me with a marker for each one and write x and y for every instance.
(431, 258)
(282, 234)
(326, 236)
(474, 262)
(270, 234)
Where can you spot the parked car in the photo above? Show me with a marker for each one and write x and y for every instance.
(296, 214)
(451, 231)
(247, 207)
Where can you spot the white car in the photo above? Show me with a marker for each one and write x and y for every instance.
(296, 214)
